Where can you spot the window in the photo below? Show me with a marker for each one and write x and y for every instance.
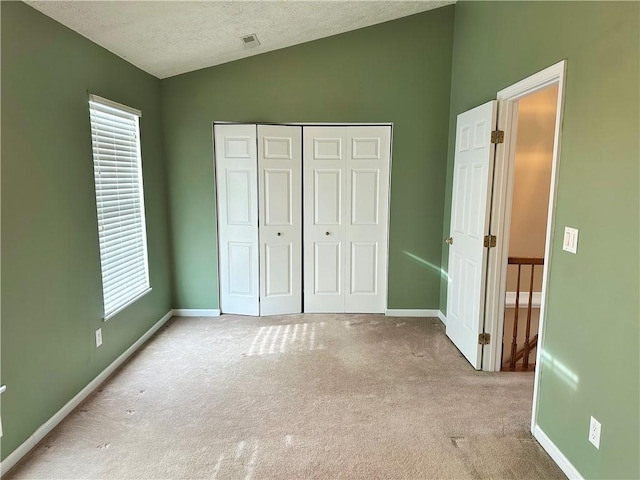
(117, 169)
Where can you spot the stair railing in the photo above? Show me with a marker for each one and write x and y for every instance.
(528, 344)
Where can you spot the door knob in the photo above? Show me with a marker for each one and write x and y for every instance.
(279, 234)
(448, 240)
(327, 234)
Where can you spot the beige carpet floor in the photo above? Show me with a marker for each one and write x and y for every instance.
(297, 397)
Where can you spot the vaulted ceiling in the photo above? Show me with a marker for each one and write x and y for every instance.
(166, 38)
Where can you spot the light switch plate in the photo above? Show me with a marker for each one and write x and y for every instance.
(570, 242)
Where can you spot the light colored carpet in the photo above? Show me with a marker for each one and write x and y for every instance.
(295, 397)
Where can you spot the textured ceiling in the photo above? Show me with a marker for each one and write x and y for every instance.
(166, 38)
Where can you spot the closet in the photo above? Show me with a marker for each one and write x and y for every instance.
(270, 177)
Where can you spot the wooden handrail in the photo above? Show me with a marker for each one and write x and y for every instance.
(526, 261)
(528, 345)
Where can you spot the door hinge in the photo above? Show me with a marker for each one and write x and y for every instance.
(484, 338)
(497, 136)
(490, 241)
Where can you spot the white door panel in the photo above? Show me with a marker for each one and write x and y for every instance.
(324, 226)
(278, 271)
(238, 198)
(365, 199)
(473, 167)
(239, 268)
(236, 178)
(364, 259)
(278, 207)
(346, 178)
(280, 231)
(367, 204)
(327, 148)
(327, 197)
(327, 265)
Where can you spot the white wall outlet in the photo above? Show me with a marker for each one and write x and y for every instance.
(98, 337)
(594, 432)
(570, 242)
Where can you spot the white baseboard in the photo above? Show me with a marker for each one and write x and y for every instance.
(408, 312)
(190, 312)
(40, 433)
(510, 300)
(442, 317)
(555, 453)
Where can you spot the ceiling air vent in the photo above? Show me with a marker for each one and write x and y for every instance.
(250, 41)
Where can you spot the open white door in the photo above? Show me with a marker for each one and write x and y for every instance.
(280, 206)
(236, 182)
(470, 209)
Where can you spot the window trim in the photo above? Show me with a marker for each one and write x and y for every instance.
(116, 105)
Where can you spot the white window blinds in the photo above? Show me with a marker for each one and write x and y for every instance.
(117, 169)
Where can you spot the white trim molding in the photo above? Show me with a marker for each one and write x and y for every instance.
(554, 452)
(501, 209)
(191, 312)
(510, 299)
(442, 317)
(412, 312)
(49, 425)
(112, 104)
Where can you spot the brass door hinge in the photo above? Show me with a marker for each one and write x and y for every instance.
(484, 338)
(497, 136)
(490, 241)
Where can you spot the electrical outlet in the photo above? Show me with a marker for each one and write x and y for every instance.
(98, 337)
(594, 432)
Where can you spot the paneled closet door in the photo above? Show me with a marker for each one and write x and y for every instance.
(346, 198)
(237, 195)
(324, 218)
(280, 209)
(367, 203)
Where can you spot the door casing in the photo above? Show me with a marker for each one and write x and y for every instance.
(500, 216)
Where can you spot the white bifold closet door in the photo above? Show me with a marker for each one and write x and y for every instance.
(280, 211)
(258, 181)
(237, 193)
(346, 198)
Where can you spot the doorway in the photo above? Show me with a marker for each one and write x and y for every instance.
(528, 218)
(503, 189)
(508, 100)
(482, 198)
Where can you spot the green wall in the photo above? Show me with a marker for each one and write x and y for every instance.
(592, 317)
(414, 72)
(51, 284)
(393, 72)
